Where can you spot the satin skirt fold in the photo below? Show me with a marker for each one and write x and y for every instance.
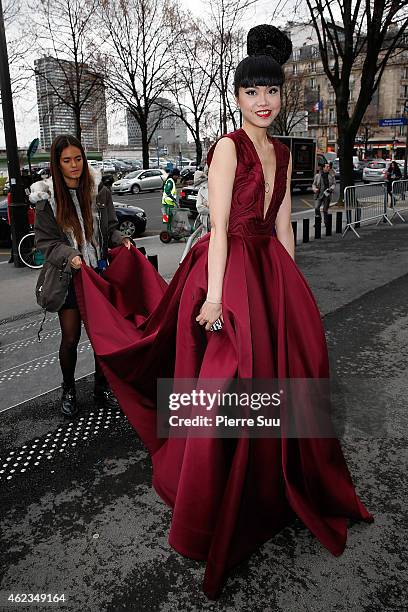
(228, 495)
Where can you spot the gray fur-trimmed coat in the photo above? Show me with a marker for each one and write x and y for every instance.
(57, 245)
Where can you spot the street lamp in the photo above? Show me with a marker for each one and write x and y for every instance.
(178, 138)
(157, 150)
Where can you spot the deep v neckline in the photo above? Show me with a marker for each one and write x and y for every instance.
(272, 140)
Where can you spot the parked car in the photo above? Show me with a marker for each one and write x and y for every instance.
(5, 235)
(375, 172)
(336, 168)
(185, 162)
(163, 163)
(330, 156)
(119, 165)
(38, 173)
(94, 163)
(187, 174)
(188, 198)
(132, 164)
(104, 166)
(132, 219)
(108, 168)
(141, 180)
(357, 168)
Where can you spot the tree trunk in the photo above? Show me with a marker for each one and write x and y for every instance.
(199, 151)
(78, 128)
(224, 112)
(145, 144)
(197, 141)
(346, 146)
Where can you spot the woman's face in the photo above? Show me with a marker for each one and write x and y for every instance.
(259, 105)
(71, 163)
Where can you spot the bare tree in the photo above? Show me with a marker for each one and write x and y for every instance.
(195, 70)
(372, 32)
(369, 124)
(224, 26)
(292, 112)
(63, 30)
(18, 46)
(136, 59)
(225, 35)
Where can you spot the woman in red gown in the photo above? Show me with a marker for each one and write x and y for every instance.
(228, 495)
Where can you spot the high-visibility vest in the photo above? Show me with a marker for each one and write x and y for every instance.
(166, 200)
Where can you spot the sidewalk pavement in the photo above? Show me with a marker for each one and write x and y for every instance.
(83, 519)
(18, 284)
(337, 269)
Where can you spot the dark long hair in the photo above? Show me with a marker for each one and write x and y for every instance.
(66, 215)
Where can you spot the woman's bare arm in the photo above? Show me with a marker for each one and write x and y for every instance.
(220, 184)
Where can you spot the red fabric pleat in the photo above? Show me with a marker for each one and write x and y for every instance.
(228, 495)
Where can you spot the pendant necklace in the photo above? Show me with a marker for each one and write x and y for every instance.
(267, 187)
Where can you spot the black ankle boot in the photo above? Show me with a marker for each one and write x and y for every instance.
(104, 397)
(69, 406)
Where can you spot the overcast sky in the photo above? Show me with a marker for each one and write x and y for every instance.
(26, 113)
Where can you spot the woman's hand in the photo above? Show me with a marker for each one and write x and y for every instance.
(126, 243)
(209, 313)
(76, 262)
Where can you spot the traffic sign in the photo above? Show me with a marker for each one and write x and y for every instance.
(393, 122)
(32, 149)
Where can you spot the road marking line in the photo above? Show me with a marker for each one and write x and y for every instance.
(40, 394)
(19, 365)
(146, 238)
(26, 339)
(307, 203)
(301, 212)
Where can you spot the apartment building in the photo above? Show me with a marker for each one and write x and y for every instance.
(53, 80)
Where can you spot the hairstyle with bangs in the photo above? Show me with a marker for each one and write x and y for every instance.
(258, 70)
(268, 49)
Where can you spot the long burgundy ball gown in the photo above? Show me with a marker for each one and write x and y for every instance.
(228, 496)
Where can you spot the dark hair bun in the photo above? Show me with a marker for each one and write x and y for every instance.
(268, 40)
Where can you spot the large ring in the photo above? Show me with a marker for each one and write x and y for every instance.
(216, 326)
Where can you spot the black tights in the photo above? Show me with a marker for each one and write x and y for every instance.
(70, 322)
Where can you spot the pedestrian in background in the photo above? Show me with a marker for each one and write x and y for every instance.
(75, 222)
(169, 197)
(323, 186)
(393, 174)
(202, 206)
(198, 174)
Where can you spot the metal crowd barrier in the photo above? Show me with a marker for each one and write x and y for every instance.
(399, 199)
(365, 203)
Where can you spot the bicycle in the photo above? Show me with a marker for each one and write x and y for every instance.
(27, 250)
